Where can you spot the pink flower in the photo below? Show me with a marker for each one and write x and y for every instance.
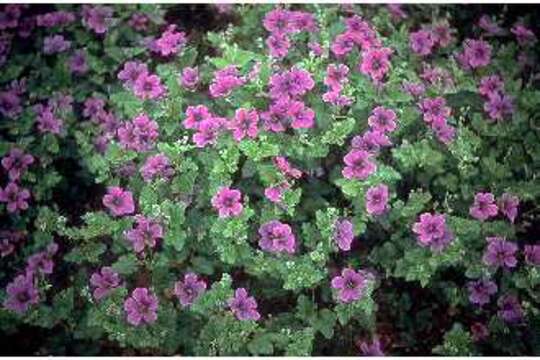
(508, 204)
(244, 124)
(343, 234)
(285, 167)
(477, 53)
(157, 166)
(279, 22)
(277, 237)
(208, 131)
(302, 116)
(97, 18)
(358, 165)
(170, 42)
(274, 193)
(16, 163)
(432, 231)
(141, 307)
(336, 76)
(139, 134)
(244, 307)
(435, 109)
(350, 285)
(190, 78)
(376, 63)
(189, 289)
(498, 106)
(422, 42)
(228, 202)
(343, 44)
(377, 200)
(148, 87)
(131, 71)
(500, 253)
(195, 115)
(15, 197)
(278, 46)
(119, 201)
(490, 85)
(382, 119)
(145, 234)
(291, 84)
(371, 141)
(524, 36)
(484, 206)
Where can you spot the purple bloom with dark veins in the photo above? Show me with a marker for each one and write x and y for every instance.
(244, 307)
(510, 309)
(532, 254)
(208, 131)
(189, 289)
(350, 285)
(508, 204)
(16, 163)
(500, 252)
(119, 201)
(489, 85)
(141, 307)
(77, 63)
(131, 71)
(382, 119)
(278, 46)
(277, 237)
(104, 281)
(484, 206)
(377, 199)
(477, 53)
(358, 165)
(432, 231)
(480, 291)
(244, 124)
(157, 165)
(42, 261)
(190, 78)
(97, 18)
(228, 202)
(499, 106)
(21, 294)
(145, 234)
(344, 234)
(15, 197)
(148, 87)
(371, 141)
(55, 44)
(195, 115)
(422, 42)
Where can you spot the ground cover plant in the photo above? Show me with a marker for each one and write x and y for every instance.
(269, 180)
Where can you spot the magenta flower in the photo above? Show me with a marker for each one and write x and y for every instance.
(244, 124)
(145, 234)
(279, 22)
(148, 87)
(190, 78)
(55, 44)
(344, 234)
(303, 21)
(358, 165)
(432, 231)
(277, 118)
(335, 98)
(170, 42)
(443, 131)
(138, 134)
(104, 281)
(442, 34)
(42, 261)
(278, 46)
(274, 193)
(480, 291)
(285, 167)
(508, 204)
(336, 76)
(500, 252)
(131, 71)
(371, 141)
(510, 309)
(77, 63)
(228, 202)
(422, 42)
(434, 109)
(315, 48)
(484, 206)
(93, 106)
(291, 84)
(59, 18)
(350, 285)
(477, 53)
(524, 36)
(15, 197)
(302, 116)
(374, 348)
(119, 201)
(277, 237)
(47, 122)
(382, 119)
(377, 200)
(343, 44)
(195, 115)
(491, 27)
(490, 85)
(532, 254)
(97, 18)
(21, 294)
(244, 307)
(16, 163)
(499, 106)
(225, 81)
(189, 289)
(376, 63)
(208, 131)
(157, 166)
(141, 307)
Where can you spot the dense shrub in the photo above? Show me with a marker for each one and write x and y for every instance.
(298, 180)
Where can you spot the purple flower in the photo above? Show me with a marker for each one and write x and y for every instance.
(47, 121)
(302, 116)
(480, 291)
(444, 132)
(532, 254)
(157, 166)
(524, 36)
(21, 294)
(15, 197)
(104, 281)
(382, 119)
(131, 71)
(358, 165)
(490, 85)
(377, 200)
(510, 309)
(145, 234)
(139, 134)
(279, 21)
(477, 53)
(10, 104)
(344, 234)
(350, 285)
(336, 76)
(274, 193)
(225, 81)
(55, 44)
(93, 106)
(278, 46)
(97, 18)
(77, 63)
(16, 163)
(244, 307)
(195, 115)
(491, 27)
(371, 349)
(343, 44)
(277, 237)
(435, 109)
(508, 204)
(148, 87)
(42, 261)
(8, 240)
(335, 98)
(190, 78)
(228, 202)
(291, 84)
(376, 63)
(500, 252)
(59, 18)
(170, 42)
(189, 289)
(422, 42)
(119, 201)
(208, 131)
(285, 167)
(316, 48)
(432, 231)
(244, 124)
(141, 307)
(371, 141)
(499, 106)
(484, 206)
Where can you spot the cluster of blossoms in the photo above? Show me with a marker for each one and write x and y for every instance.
(15, 164)
(435, 114)
(145, 234)
(59, 19)
(225, 81)
(47, 120)
(94, 109)
(228, 202)
(431, 230)
(11, 99)
(476, 54)
(55, 44)
(289, 172)
(104, 282)
(497, 105)
(336, 78)
(426, 40)
(97, 18)
(158, 166)
(277, 237)
(169, 43)
(137, 78)
(119, 201)
(208, 126)
(485, 206)
(139, 134)
(282, 24)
